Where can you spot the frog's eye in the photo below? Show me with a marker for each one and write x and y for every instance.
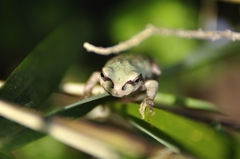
(105, 78)
(137, 80)
(102, 75)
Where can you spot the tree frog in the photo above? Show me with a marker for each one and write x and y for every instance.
(126, 74)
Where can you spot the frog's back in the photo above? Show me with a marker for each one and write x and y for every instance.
(131, 62)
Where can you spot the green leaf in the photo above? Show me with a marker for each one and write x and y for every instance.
(101, 142)
(191, 136)
(236, 145)
(5, 154)
(72, 111)
(40, 72)
(80, 108)
(168, 99)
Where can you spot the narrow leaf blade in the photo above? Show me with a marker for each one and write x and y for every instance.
(38, 75)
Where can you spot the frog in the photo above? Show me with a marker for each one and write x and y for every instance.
(127, 74)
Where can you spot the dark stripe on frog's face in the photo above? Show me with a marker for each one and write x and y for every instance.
(119, 90)
(105, 78)
(134, 82)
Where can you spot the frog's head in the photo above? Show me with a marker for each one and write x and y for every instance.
(120, 82)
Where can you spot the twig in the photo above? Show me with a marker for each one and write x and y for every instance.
(152, 30)
(199, 34)
(134, 41)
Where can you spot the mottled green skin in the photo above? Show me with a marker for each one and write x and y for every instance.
(122, 69)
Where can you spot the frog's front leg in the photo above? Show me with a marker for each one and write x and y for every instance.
(151, 87)
(92, 81)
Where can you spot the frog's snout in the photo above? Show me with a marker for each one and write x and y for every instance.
(118, 94)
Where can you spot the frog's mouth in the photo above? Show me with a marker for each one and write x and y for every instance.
(116, 94)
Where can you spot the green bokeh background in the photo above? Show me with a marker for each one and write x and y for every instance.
(23, 24)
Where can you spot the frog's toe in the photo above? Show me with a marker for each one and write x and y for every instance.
(142, 109)
(147, 102)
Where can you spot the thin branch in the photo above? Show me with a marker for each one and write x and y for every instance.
(152, 30)
(199, 34)
(134, 41)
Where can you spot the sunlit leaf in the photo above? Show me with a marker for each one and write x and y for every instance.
(72, 111)
(188, 135)
(172, 100)
(80, 133)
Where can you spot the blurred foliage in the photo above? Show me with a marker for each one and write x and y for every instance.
(41, 40)
(57, 150)
(171, 14)
(192, 136)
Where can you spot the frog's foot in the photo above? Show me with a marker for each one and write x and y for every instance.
(85, 95)
(92, 81)
(147, 102)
